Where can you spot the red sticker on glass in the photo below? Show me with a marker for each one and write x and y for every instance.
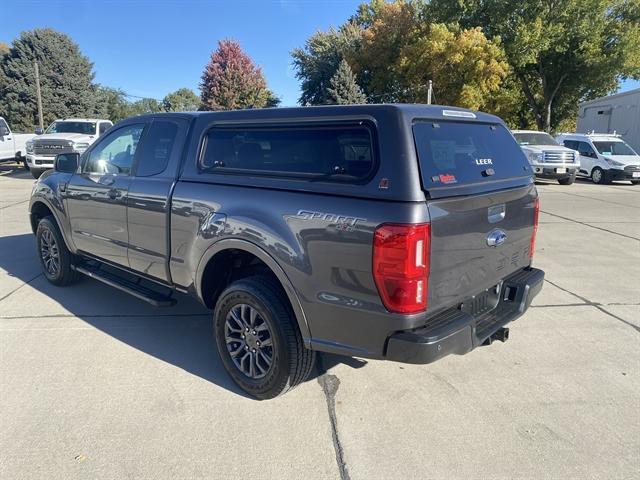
(448, 178)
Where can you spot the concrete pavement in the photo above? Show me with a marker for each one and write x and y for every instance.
(95, 384)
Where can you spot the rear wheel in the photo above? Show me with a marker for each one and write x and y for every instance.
(258, 338)
(598, 176)
(55, 258)
(635, 182)
(36, 173)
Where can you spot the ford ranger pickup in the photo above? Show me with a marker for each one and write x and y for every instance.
(398, 232)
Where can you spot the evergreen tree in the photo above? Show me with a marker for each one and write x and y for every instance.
(66, 79)
(343, 88)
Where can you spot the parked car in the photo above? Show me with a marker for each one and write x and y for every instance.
(399, 232)
(603, 157)
(548, 159)
(63, 136)
(12, 145)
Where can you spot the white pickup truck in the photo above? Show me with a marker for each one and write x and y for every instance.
(63, 136)
(12, 145)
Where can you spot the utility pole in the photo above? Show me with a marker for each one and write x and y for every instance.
(429, 91)
(38, 95)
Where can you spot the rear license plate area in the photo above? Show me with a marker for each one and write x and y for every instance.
(483, 302)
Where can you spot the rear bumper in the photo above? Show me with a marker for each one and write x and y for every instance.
(456, 332)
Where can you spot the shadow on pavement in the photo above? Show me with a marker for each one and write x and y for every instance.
(14, 170)
(181, 335)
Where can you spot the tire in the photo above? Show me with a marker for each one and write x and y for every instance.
(36, 173)
(259, 302)
(635, 182)
(51, 246)
(599, 176)
(567, 180)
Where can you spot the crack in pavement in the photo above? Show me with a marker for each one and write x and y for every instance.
(13, 204)
(592, 226)
(592, 304)
(597, 305)
(329, 384)
(598, 199)
(18, 288)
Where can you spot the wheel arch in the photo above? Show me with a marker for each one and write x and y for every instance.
(223, 247)
(41, 208)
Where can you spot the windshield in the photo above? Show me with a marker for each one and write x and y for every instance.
(535, 139)
(613, 148)
(86, 128)
(464, 152)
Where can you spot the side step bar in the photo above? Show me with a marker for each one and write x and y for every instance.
(153, 297)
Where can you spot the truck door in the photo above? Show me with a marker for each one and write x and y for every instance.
(149, 196)
(6, 141)
(97, 197)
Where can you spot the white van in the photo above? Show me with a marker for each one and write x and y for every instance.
(603, 157)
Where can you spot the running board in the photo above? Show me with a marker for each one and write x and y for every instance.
(153, 297)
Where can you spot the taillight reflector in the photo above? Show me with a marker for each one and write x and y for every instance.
(536, 213)
(401, 255)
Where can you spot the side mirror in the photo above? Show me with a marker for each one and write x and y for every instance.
(4, 131)
(38, 131)
(67, 162)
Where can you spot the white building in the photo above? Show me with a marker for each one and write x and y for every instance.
(619, 113)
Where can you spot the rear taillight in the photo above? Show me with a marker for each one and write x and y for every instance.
(401, 255)
(536, 213)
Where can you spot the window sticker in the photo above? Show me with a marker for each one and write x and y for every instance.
(448, 178)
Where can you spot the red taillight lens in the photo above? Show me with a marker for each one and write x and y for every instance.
(401, 266)
(536, 213)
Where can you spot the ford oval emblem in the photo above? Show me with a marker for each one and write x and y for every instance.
(496, 237)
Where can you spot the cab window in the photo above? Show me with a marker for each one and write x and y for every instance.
(585, 149)
(114, 154)
(104, 126)
(157, 148)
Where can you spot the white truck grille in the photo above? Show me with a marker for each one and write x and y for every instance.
(52, 147)
(558, 157)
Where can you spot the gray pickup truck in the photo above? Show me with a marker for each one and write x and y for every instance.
(398, 232)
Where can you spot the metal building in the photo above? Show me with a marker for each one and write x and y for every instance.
(619, 113)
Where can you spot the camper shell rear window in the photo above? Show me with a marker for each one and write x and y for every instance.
(455, 153)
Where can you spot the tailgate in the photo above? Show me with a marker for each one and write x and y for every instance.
(481, 203)
(476, 241)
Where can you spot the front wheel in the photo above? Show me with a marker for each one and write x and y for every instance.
(635, 182)
(55, 258)
(567, 180)
(258, 338)
(598, 176)
(36, 173)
